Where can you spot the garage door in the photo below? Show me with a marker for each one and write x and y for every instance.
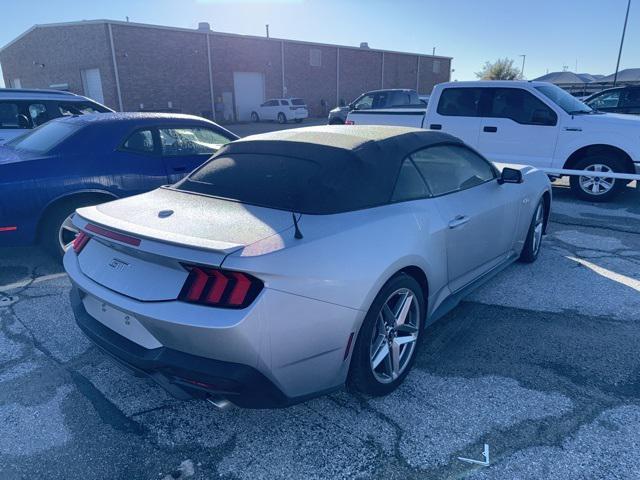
(249, 92)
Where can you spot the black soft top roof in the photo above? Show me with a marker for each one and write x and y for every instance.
(356, 166)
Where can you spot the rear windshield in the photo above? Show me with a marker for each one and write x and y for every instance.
(284, 183)
(44, 138)
(297, 101)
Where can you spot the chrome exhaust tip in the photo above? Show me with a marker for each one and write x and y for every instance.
(219, 402)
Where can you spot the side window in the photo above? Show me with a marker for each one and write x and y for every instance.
(631, 98)
(410, 185)
(9, 116)
(450, 168)
(284, 102)
(400, 99)
(606, 100)
(270, 103)
(382, 100)
(460, 102)
(190, 141)
(364, 103)
(521, 107)
(140, 142)
(38, 113)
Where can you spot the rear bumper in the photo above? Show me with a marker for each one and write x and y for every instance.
(183, 375)
(281, 350)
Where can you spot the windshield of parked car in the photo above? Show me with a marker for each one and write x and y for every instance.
(564, 100)
(81, 108)
(44, 138)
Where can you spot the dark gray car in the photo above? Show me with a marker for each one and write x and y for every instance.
(389, 98)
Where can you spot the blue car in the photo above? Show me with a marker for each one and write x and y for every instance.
(73, 162)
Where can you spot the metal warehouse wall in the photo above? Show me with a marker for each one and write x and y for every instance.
(163, 68)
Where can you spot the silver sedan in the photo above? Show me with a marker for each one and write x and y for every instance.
(296, 262)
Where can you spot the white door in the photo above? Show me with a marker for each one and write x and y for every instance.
(457, 113)
(92, 84)
(519, 128)
(249, 93)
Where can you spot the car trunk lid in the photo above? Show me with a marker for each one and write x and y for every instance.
(140, 244)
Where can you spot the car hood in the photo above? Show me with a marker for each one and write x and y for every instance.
(340, 109)
(617, 119)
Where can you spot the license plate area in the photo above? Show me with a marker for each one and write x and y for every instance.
(120, 322)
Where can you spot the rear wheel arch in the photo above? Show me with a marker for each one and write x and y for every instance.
(600, 149)
(77, 197)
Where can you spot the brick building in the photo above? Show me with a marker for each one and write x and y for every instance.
(132, 67)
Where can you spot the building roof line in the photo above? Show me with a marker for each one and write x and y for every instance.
(213, 32)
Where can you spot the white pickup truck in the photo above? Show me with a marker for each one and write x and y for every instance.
(532, 123)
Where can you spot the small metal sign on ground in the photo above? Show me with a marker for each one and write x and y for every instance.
(485, 454)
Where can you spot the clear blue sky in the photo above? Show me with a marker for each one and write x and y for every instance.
(552, 33)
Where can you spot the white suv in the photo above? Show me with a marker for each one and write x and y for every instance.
(282, 110)
(22, 109)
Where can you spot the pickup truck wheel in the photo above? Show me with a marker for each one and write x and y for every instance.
(597, 189)
(254, 117)
(282, 118)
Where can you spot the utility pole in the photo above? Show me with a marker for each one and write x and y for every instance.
(434, 52)
(522, 71)
(267, 27)
(624, 30)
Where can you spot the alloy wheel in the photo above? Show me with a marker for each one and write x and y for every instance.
(67, 233)
(538, 228)
(597, 185)
(395, 335)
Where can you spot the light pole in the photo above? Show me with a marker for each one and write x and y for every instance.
(624, 30)
(522, 71)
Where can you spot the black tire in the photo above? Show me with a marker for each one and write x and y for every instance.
(255, 118)
(533, 241)
(361, 376)
(53, 220)
(298, 120)
(588, 162)
(336, 121)
(282, 118)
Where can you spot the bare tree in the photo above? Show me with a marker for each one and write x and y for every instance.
(501, 69)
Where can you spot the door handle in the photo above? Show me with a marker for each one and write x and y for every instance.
(458, 221)
(435, 126)
(490, 129)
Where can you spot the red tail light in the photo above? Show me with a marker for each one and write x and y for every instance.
(80, 241)
(349, 122)
(219, 288)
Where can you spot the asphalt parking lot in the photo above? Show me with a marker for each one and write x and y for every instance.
(541, 364)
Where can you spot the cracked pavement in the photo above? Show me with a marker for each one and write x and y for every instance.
(541, 363)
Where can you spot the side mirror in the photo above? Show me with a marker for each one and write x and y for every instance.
(510, 175)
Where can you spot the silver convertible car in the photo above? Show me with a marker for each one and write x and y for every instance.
(295, 262)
